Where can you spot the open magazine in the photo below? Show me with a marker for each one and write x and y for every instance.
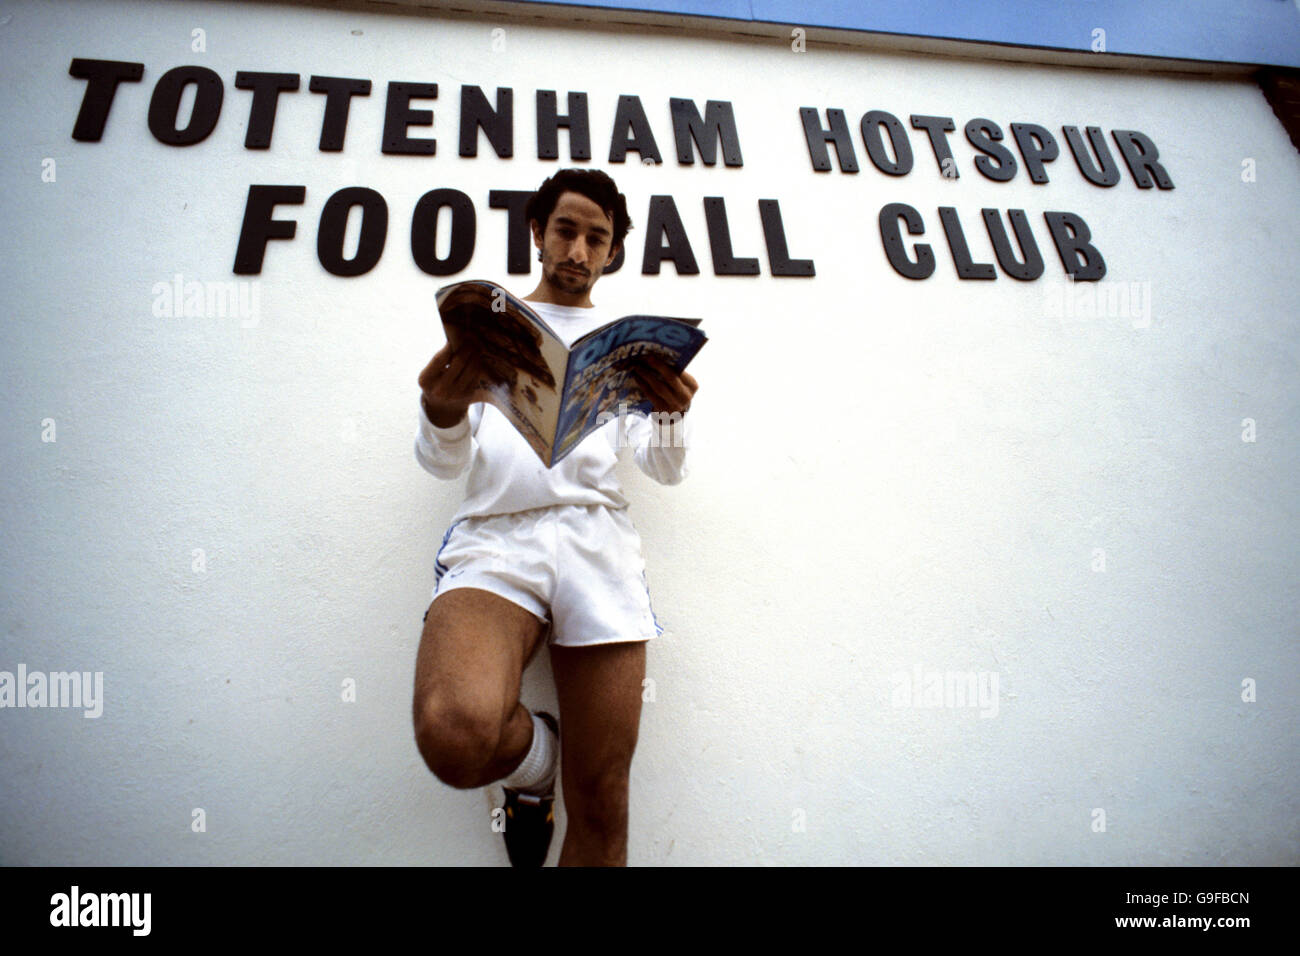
(555, 395)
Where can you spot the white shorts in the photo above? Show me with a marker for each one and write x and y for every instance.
(576, 567)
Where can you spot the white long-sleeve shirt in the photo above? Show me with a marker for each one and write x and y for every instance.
(505, 474)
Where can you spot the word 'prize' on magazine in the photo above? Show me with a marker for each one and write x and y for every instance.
(556, 395)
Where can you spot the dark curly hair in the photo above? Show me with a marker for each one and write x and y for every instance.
(592, 183)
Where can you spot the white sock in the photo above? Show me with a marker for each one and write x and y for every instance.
(537, 773)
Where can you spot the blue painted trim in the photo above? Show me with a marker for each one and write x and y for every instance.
(1265, 32)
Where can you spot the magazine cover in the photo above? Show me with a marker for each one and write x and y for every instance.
(599, 375)
(555, 395)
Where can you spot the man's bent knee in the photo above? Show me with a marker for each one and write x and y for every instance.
(457, 742)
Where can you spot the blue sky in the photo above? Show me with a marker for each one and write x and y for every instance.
(1238, 31)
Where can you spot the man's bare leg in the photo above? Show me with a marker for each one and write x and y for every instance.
(469, 725)
(599, 689)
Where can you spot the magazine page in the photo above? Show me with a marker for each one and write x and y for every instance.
(522, 358)
(599, 376)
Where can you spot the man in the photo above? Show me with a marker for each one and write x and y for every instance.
(537, 555)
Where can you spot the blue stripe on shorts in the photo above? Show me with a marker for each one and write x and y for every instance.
(439, 569)
(658, 627)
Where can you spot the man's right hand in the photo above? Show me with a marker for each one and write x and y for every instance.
(448, 384)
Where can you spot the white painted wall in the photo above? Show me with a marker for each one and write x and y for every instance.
(889, 475)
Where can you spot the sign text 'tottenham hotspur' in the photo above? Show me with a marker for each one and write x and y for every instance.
(711, 134)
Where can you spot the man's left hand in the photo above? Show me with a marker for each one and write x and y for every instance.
(667, 389)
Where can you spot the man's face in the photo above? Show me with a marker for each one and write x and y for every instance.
(576, 245)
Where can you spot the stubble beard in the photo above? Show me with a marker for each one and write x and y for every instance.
(569, 282)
